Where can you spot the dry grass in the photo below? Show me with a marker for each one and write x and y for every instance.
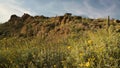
(100, 49)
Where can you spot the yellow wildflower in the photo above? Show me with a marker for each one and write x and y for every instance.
(69, 47)
(7, 48)
(90, 42)
(87, 64)
(54, 66)
(81, 65)
(111, 58)
(91, 59)
(81, 54)
(62, 61)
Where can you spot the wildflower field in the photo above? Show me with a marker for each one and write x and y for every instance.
(88, 49)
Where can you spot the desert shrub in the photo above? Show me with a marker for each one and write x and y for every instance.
(100, 49)
(88, 49)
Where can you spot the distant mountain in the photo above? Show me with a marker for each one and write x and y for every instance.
(59, 26)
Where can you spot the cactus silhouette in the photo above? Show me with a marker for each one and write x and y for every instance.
(108, 23)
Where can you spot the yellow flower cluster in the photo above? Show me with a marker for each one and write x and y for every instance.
(87, 64)
(91, 59)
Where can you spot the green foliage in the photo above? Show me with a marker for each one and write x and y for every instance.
(88, 49)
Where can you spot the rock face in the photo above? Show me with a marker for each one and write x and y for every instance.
(25, 16)
(28, 26)
(14, 19)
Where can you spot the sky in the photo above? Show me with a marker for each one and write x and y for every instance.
(88, 8)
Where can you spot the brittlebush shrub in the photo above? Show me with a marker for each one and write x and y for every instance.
(89, 49)
(100, 49)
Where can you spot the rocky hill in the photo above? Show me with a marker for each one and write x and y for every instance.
(58, 26)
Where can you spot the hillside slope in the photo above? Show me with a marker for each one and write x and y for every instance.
(29, 26)
(59, 42)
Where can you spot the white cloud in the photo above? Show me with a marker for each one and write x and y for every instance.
(99, 12)
(59, 7)
(7, 8)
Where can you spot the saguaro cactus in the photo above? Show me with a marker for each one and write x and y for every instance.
(108, 23)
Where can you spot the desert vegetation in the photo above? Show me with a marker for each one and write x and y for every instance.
(59, 42)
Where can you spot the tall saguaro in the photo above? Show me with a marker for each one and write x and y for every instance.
(108, 22)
